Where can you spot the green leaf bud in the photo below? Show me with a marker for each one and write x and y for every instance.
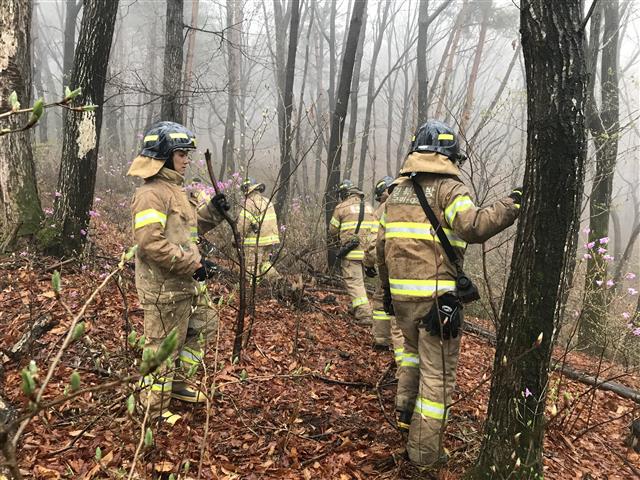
(78, 331)
(148, 437)
(75, 381)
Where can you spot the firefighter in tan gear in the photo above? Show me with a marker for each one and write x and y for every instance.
(423, 286)
(170, 271)
(385, 331)
(258, 227)
(353, 227)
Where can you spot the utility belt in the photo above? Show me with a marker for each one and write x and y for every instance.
(350, 245)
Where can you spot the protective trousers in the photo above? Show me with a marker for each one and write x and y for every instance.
(195, 320)
(427, 380)
(260, 256)
(354, 280)
(385, 330)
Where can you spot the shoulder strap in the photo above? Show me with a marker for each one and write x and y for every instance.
(435, 223)
(360, 216)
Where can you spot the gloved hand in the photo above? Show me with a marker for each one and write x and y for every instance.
(516, 195)
(370, 272)
(207, 270)
(446, 314)
(219, 201)
(255, 227)
(387, 303)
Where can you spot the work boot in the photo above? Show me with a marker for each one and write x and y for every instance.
(186, 393)
(403, 420)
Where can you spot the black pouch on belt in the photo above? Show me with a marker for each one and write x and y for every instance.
(444, 317)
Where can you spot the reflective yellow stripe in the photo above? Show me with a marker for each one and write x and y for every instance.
(383, 220)
(358, 301)
(150, 138)
(459, 204)
(355, 255)
(445, 136)
(353, 225)
(420, 288)
(381, 315)
(193, 231)
(430, 409)
(398, 353)
(157, 384)
(420, 231)
(266, 240)
(179, 135)
(334, 221)
(411, 360)
(191, 356)
(147, 217)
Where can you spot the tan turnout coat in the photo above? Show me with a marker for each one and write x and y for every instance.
(258, 222)
(344, 221)
(411, 259)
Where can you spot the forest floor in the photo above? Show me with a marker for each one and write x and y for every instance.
(312, 404)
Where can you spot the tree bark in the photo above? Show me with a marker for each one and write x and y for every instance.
(604, 127)
(20, 209)
(172, 103)
(234, 11)
(543, 263)
(355, 90)
(191, 48)
(81, 130)
(72, 9)
(340, 112)
(421, 63)
(285, 137)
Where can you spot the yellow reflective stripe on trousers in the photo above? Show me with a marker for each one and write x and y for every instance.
(420, 231)
(381, 315)
(430, 409)
(355, 255)
(459, 204)
(411, 360)
(398, 353)
(266, 240)
(191, 356)
(358, 301)
(420, 288)
(149, 216)
(158, 384)
(335, 222)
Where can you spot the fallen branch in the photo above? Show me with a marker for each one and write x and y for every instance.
(41, 326)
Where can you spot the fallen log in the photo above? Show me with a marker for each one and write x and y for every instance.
(582, 377)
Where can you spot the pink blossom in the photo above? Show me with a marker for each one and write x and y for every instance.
(636, 332)
(590, 244)
(93, 214)
(610, 283)
(283, 228)
(527, 392)
(586, 230)
(98, 200)
(632, 291)
(587, 256)
(602, 250)
(626, 315)
(599, 283)
(630, 276)
(83, 232)
(57, 194)
(604, 240)
(48, 211)
(608, 258)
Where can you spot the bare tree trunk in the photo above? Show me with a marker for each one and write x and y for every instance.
(72, 9)
(234, 12)
(172, 103)
(20, 210)
(81, 137)
(285, 138)
(355, 89)
(473, 76)
(151, 48)
(191, 48)
(553, 46)
(421, 64)
(604, 128)
(332, 56)
(340, 112)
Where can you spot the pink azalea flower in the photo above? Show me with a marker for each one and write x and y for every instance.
(632, 291)
(602, 250)
(599, 283)
(608, 258)
(626, 315)
(604, 240)
(57, 194)
(527, 393)
(586, 230)
(590, 244)
(93, 214)
(83, 232)
(636, 332)
(610, 283)
(587, 256)
(630, 276)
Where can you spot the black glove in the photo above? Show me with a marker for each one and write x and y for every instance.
(219, 201)
(387, 303)
(370, 272)
(446, 314)
(207, 270)
(255, 227)
(516, 195)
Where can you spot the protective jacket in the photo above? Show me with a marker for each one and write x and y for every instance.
(166, 223)
(258, 223)
(411, 260)
(344, 221)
